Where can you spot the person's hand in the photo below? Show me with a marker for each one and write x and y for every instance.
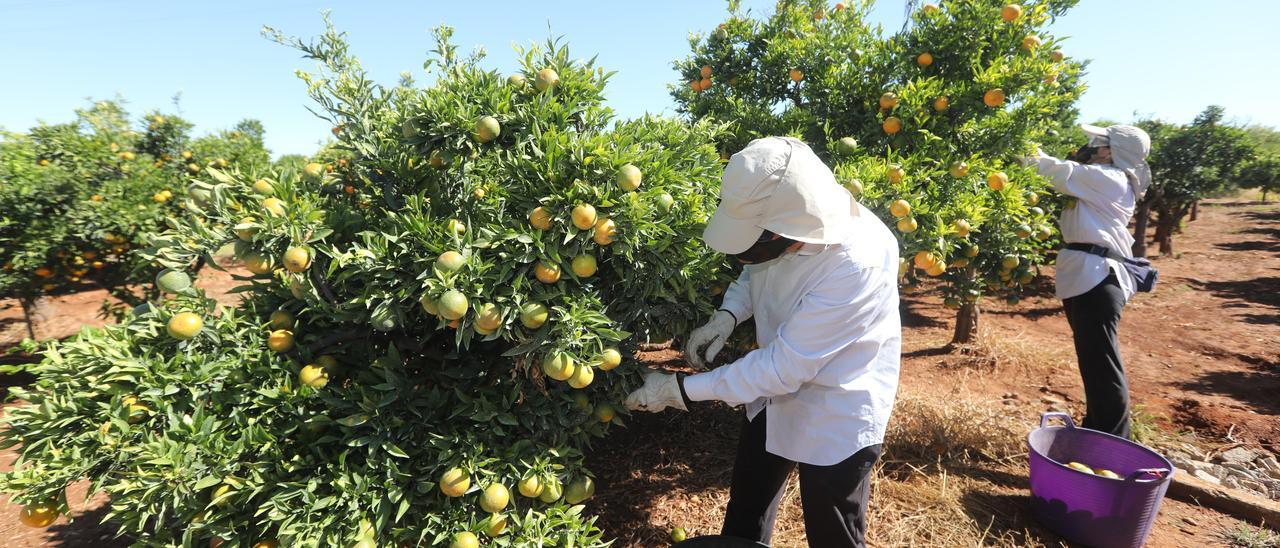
(1033, 158)
(711, 336)
(660, 391)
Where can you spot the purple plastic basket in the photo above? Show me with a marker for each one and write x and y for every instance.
(1091, 509)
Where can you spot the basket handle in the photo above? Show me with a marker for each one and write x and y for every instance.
(1159, 473)
(1066, 419)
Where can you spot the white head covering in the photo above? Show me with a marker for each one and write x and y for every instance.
(1129, 149)
(779, 184)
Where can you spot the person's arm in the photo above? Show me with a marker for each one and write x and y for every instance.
(835, 315)
(737, 299)
(1074, 179)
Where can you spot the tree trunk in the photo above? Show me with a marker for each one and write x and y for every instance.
(1264, 194)
(1140, 229)
(1165, 226)
(1195, 210)
(966, 324)
(28, 314)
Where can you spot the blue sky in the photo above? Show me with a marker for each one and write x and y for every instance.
(1167, 58)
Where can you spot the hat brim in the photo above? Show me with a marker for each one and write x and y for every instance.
(729, 235)
(1096, 131)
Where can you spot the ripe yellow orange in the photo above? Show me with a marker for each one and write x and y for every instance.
(888, 100)
(993, 98)
(263, 187)
(900, 208)
(313, 171)
(997, 181)
(267, 543)
(1058, 55)
(274, 206)
(695, 85)
(533, 315)
(297, 259)
(971, 251)
(584, 216)
(43, 162)
(1011, 13)
(43, 272)
(558, 366)
(193, 168)
(892, 125)
(451, 261)
(96, 197)
(584, 266)
(39, 515)
(540, 218)
(454, 482)
(924, 59)
(908, 224)
(629, 177)
(530, 486)
(258, 263)
(313, 376)
(705, 71)
(925, 260)
(609, 359)
(796, 75)
(962, 227)
(280, 340)
(958, 169)
(546, 79)
(1033, 198)
(606, 231)
(1030, 43)
(495, 498)
(440, 160)
(1010, 262)
(465, 539)
(895, 173)
(184, 325)
(487, 129)
(582, 376)
(936, 270)
(704, 84)
(516, 80)
(488, 317)
(453, 305)
(455, 226)
(546, 273)
(497, 524)
(281, 319)
(931, 8)
(551, 491)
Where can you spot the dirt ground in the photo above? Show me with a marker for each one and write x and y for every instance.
(1202, 354)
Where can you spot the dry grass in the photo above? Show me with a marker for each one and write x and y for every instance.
(951, 429)
(1008, 354)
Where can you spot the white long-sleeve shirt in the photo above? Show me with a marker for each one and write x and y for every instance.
(830, 340)
(1104, 206)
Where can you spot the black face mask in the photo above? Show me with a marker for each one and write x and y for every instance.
(770, 246)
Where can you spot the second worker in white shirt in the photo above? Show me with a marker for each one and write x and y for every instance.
(820, 282)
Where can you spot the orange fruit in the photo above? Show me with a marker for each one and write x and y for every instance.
(629, 177)
(1058, 55)
(558, 366)
(454, 482)
(931, 8)
(1011, 13)
(274, 206)
(579, 490)
(606, 231)
(908, 224)
(263, 187)
(497, 524)
(297, 259)
(584, 266)
(993, 98)
(495, 498)
(546, 273)
(796, 75)
(704, 84)
(530, 486)
(888, 100)
(488, 317)
(454, 226)
(540, 218)
(258, 263)
(465, 539)
(184, 325)
(39, 515)
(453, 305)
(925, 260)
(892, 125)
(280, 340)
(487, 129)
(958, 169)
(533, 315)
(1030, 43)
(705, 71)
(516, 80)
(996, 181)
(313, 171)
(603, 413)
(314, 376)
(584, 216)
(546, 79)
(924, 59)
(895, 173)
(936, 270)
(900, 208)
(451, 261)
(582, 376)
(941, 104)
(609, 359)
(962, 227)
(281, 319)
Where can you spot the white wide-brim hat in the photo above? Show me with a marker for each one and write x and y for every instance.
(778, 184)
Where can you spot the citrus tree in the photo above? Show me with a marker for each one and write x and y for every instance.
(76, 198)
(431, 332)
(1189, 163)
(1262, 173)
(924, 125)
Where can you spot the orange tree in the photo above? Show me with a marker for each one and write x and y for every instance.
(75, 198)
(431, 334)
(925, 124)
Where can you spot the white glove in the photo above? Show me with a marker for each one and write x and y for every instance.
(711, 335)
(660, 391)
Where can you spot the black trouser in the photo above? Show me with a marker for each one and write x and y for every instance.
(1094, 317)
(834, 497)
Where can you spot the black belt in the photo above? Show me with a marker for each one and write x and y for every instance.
(1099, 250)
